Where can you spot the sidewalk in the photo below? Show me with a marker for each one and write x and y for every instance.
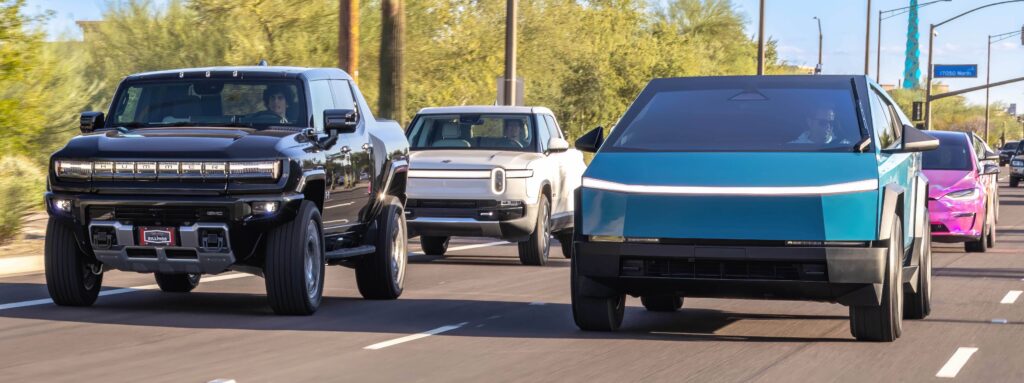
(25, 254)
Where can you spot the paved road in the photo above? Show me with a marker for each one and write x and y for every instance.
(478, 315)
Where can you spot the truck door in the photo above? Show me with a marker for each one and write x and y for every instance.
(350, 189)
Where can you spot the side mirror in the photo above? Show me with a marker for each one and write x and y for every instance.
(917, 141)
(90, 121)
(340, 121)
(591, 141)
(991, 156)
(990, 170)
(556, 145)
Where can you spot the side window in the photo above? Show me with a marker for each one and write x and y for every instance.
(979, 147)
(322, 99)
(343, 98)
(553, 127)
(543, 133)
(881, 122)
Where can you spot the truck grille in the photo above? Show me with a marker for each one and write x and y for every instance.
(158, 215)
(451, 203)
(714, 269)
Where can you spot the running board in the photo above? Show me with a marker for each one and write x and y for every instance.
(349, 252)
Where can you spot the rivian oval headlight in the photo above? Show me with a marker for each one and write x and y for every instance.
(73, 169)
(498, 180)
(1017, 163)
(962, 194)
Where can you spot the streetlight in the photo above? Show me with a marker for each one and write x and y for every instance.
(817, 69)
(867, 41)
(931, 44)
(988, 69)
(885, 15)
(760, 42)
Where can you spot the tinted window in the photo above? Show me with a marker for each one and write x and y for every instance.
(721, 116)
(473, 131)
(953, 153)
(210, 102)
(881, 122)
(543, 133)
(342, 95)
(1010, 145)
(320, 91)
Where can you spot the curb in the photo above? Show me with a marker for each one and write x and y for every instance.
(12, 266)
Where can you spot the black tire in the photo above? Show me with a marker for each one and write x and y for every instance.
(884, 323)
(71, 278)
(565, 240)
(177, 283)
(662, 303)
(434, 245)
(294, 266)
(1014, 182)
(535, 250)
(919, 305)
(981, 245)
(594, 313)
(990, 238)
(381, 275)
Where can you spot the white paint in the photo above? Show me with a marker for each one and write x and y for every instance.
(956, 362)
(840, 188)
(1011, 297)
(537, 303)
(222, 381)
(410, 338)
(103, 293)
(339, 205)
(1000, 321)
(469, 247)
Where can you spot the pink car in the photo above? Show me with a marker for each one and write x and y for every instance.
(962, 197)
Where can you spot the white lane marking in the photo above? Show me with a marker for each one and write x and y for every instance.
(39, 302)
(469, 247)
(222, 381)
(1011, 297)
(336, 221)
(537, 303)
(338, 205)
(1000, 321)
(956, 362)
(410, 338)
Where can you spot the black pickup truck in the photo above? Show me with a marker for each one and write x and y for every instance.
(273, 171)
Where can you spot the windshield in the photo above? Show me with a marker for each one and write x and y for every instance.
(1010, 146)
(211, 102)
(952, 154)
(726, 115)
(473, 132)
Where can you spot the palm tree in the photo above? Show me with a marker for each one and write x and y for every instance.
(391, 103)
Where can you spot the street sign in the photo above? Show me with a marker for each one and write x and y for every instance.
(954, 71)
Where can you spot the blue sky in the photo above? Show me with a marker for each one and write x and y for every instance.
(791, 23)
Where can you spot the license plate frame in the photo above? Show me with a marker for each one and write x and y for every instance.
(158, 236)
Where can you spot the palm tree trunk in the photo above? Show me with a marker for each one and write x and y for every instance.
(391, 103)
(348, 37)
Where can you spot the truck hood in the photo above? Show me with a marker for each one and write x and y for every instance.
(181, 143)
(734, 196)
(942, 182)
(470, 159)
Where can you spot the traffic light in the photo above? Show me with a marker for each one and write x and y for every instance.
(917, 112)
(1022, 35)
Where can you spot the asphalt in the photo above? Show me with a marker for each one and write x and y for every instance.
(480, 316)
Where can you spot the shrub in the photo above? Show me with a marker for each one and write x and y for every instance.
(21, 190)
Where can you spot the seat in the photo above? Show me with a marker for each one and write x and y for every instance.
(451, 137)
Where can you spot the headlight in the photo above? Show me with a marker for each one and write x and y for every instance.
(255, 169)
(1017, 163)
(962, 194)
(519, 173)
(74, 169)
(497, 180)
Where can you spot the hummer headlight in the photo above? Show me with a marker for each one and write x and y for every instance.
(73, 169)
(254, 169)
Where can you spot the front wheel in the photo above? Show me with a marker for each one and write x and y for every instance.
(566, 241)
(535, 250)
(436, 246)
(884, 323)
(294, 266)
(381, 275)
(1014, 182)
(70, 278)
(177, 283)
(594, 313)
(981, 245)
(662, 303)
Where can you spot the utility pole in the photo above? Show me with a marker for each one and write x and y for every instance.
(391, 102)
(988, 68)
(511, 10)
(760, 42)
(348, 37)
(867, 41)
(817, 69)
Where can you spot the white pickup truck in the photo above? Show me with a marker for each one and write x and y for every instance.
(504, 172)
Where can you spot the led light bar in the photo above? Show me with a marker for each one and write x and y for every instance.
(166, 170)
(74, 169)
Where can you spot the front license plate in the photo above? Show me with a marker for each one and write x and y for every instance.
(157, 236)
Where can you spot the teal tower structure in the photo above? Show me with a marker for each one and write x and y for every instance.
(912, 62)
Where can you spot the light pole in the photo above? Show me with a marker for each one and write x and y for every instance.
(511, 9)
(885, 15)
(867, 41)
(988, 70)
(931, 70)
(760, 42)
(817, 69)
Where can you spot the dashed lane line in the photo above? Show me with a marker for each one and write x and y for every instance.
(39, 302)
(470, 247)
(956, 362)
(410, 338)
(1011, 297)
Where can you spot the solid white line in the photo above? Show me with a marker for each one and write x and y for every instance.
(409, 338)
(103, 293)
(338, 205)
(840, 188)
(1000, 321)
(956, 362)
(1011, 297)
(469, 247)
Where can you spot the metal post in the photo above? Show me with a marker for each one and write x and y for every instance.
(760, 42)
(510, 51)
(928, 86)
(988, 81)
(820, 38)
(878, 50)
(867, 42)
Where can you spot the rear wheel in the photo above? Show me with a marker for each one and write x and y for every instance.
(662, 303)
(294, 266)
(177, 283)
(381, 275)
(535, 250)
(883, 323)
(71, 279)
(918, 305)
(594, 313)
(990, 239)
(434, 245)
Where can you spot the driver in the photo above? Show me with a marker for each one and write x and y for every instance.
(276, 99)
(820, 128)
(513, 130)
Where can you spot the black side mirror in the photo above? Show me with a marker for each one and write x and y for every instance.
(591, 141)
(90, 121)
(917, 141)
(340, 121)
(990, 170)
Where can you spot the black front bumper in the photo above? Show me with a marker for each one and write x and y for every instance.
(107, 228)
(847, 275)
